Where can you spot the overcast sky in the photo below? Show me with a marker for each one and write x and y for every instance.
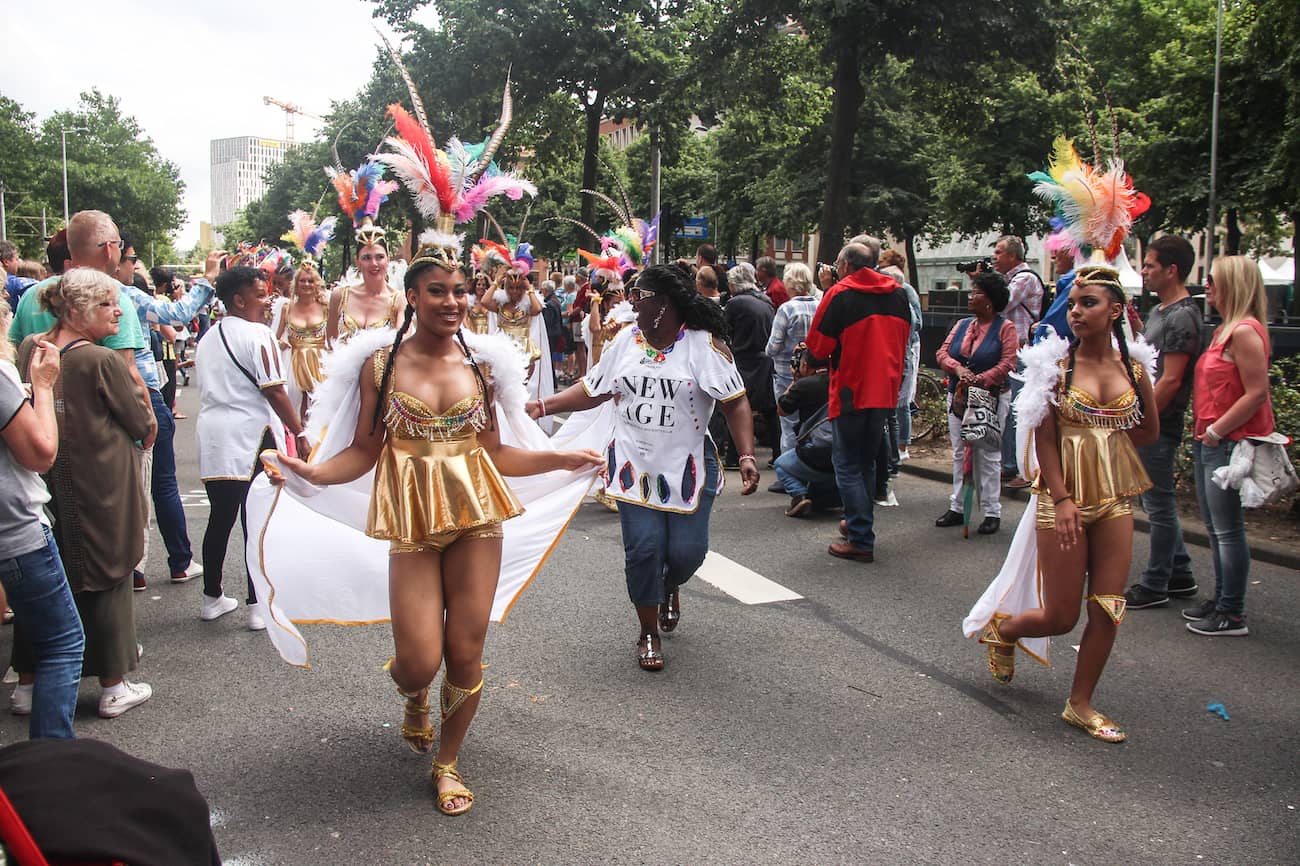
(189, 71)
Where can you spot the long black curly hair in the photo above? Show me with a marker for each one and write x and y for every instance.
(676, 284)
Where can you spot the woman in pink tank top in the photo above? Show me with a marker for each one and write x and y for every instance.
(1230, 402)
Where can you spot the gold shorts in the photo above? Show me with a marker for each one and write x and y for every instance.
(440, 541)
(1045, 517)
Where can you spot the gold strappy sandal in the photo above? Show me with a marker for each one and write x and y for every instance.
(419, 738)
(1098, 726)
(444, 797)
(1001, 665)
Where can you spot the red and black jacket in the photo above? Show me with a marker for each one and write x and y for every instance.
(862, 325)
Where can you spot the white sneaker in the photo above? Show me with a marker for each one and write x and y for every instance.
(129, 695)
(217, 607)
(255, 621)
(139, 651)
(194, 570)
(903, 455)
(20, 702)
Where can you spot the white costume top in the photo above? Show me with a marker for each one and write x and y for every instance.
(665, 400)
(233, 412)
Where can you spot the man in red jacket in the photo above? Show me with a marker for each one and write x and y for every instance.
(862, 325)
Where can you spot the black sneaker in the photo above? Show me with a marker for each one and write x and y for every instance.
(1182, 586)
(1201, 611)
(1220, 624)
(138, 582)
(1139, 596)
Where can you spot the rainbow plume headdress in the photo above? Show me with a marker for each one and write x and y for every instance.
(361, 192)
(490, 254)
(1095, 208)
(627, 245)
(309, 237)
(449, 185)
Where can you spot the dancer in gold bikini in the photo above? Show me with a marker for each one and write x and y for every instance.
(374, 303)
(477, 319)
(300, 326)
(515, 302)
(1097, 404)
(439, 499)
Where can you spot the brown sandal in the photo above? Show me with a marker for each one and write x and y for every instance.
(650, 658)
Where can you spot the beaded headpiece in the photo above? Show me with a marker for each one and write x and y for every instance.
(1099, 275)
(448, 185)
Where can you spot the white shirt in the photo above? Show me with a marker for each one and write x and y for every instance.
(656, 457)
(233, 412)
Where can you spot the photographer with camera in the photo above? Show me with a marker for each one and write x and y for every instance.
(1024, 308)
(805, 470)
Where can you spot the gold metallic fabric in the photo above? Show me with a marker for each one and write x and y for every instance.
(305, 348)
(515, 324)
(477, 319)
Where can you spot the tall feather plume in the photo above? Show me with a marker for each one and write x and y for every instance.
(586, 228)
(489, 185)
(410, 84)
(306, 235)
(501, 233)
(417, 162)
(624, 218)
(323, 234)
(507, 114)
(524, 222)
(622, 191)
(362, 191)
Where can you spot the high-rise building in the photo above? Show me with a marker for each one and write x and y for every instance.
(239, 167)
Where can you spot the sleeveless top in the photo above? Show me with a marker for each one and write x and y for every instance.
(305, 348)
(517, 324)
(1099, 461)
(1217, 385)
(477, 319)
(985, 356)
(349, 326)
(432, 476)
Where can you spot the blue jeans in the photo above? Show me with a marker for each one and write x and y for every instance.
(166, 495)
(46, 619)
(1224, 522)
(855, 444)
(1168, 552)
(665, 548)
(800, 479)
(780, 382)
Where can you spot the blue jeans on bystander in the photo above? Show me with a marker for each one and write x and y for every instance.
(1226, 526)
(1168, 552)
(855, 444)
(46, 618)
(166, 494)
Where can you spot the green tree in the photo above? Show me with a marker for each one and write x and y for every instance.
(20, 175)
(113, 167)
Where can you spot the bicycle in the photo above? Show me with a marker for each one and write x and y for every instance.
(929, 407)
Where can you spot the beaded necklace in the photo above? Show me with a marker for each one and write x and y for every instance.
(410, 417)
(655, 354)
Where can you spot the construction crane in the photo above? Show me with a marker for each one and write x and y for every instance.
(289, 111)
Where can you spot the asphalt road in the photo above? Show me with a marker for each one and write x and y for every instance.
(855, 725)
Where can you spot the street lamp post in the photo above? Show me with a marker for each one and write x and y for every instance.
(65, 168)
(1212, 219)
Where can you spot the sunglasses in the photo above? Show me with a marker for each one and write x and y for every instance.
(131, 259)
(639, 294)
(113, 243)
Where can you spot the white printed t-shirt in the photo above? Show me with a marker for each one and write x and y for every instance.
(233, 412)
(665, 400)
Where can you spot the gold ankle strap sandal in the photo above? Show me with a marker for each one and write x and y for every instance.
(419, 737)
(1002, 666)
(1114, 605)
(1098, 726)
(449, 770)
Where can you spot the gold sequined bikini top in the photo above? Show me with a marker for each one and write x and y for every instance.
(1079, 407)
(311, 332)
(409, 417)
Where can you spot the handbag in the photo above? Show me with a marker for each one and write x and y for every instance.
(979, 421)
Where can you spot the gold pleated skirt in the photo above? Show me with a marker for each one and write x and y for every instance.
(1100, 466)
(425, 489)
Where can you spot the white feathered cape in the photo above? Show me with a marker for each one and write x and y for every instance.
(308, 553)
(1018, 586)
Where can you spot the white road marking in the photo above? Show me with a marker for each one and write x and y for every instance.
(741, 583)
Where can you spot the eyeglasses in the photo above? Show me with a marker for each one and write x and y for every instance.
(131, 259)
(112, 243)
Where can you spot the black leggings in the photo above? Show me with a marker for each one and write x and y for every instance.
(225, 503)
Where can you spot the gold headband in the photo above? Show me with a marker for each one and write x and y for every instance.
(1099, 275)
(368, 233)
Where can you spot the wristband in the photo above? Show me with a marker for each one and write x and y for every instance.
(1215, 433)
(746, 457)
(541, 404)
(1062, 499)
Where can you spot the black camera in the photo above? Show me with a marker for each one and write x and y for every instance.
(975, 265)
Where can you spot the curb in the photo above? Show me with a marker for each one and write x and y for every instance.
(1274, 554)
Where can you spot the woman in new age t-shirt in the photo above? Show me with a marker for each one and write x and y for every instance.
(666, 374)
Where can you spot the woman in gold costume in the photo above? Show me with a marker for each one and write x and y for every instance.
(477, 318)
(1097, 404)
(373, 304)
(439, 499)
(302, 331)
(516, 305)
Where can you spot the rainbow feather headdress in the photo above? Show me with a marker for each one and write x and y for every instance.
(1095, 209)
(448, 185)
(361, 192)
(309, 237)
(627, 245)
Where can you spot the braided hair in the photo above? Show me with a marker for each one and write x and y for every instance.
(675, 283)
(482, 381)
(388, 366)
(1109, 278)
